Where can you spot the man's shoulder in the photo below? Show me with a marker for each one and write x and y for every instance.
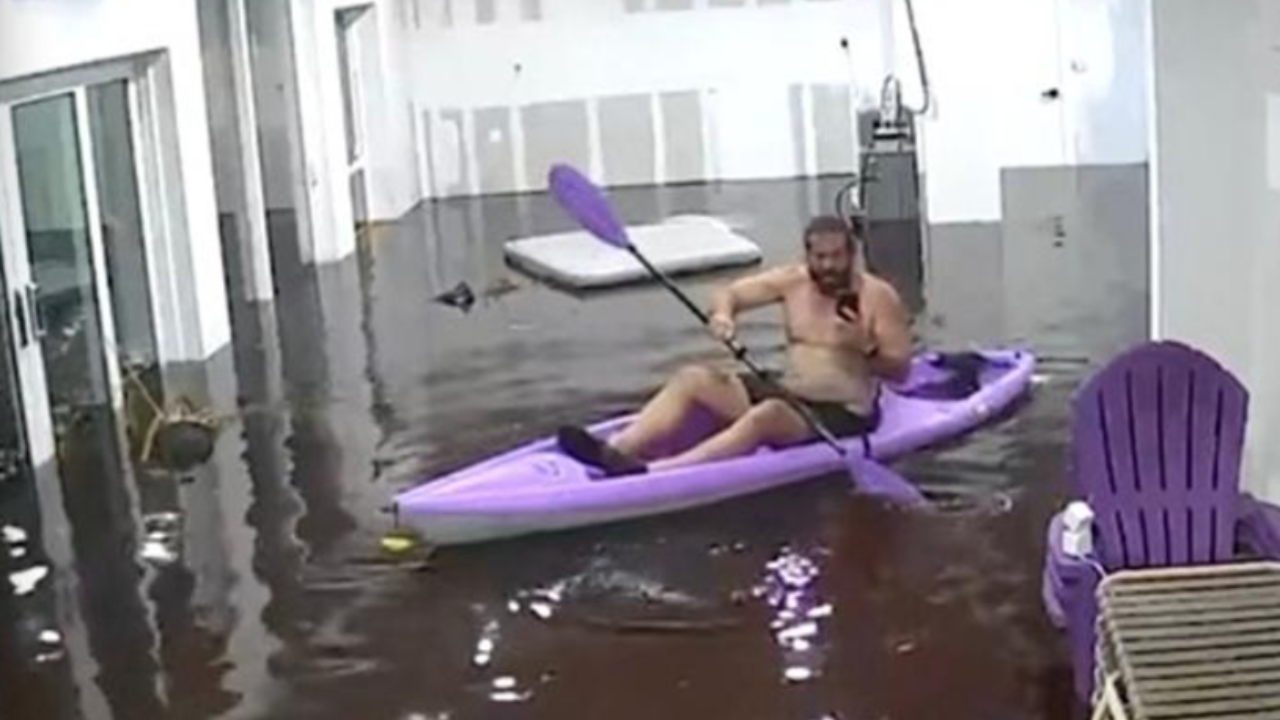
(787, 275)
(880, 289)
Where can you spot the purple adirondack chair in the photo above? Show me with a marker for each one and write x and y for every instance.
(1157, 440)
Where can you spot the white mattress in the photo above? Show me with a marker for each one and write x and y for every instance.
(680, 245)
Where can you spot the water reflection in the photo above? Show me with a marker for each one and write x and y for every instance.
(162, 544)
(257, 590)
(486, 644)
(791, 589)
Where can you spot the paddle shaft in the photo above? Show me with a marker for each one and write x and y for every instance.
(741, 354)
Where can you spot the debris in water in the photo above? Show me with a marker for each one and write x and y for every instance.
(183, 439)
(397, 543)
(461, 297)
(952, 501)
(502, 286)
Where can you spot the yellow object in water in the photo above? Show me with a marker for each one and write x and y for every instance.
(398, 543)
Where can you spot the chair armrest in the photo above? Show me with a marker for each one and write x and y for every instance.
(1069, 591)
(1258, 528)
(1064, 572)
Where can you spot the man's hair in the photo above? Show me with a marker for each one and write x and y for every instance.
(829, 225)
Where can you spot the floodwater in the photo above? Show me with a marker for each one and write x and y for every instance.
(258, 589)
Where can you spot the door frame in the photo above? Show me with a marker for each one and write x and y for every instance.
(139, 72)
(349, 21)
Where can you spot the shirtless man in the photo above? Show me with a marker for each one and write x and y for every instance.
(846, 329)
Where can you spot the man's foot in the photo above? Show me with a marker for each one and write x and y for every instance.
(586, 448)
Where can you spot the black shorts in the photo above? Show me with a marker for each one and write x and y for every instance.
(840, 420)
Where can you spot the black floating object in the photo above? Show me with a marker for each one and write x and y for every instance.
(461, 297)
(965, 376)
(185, 445)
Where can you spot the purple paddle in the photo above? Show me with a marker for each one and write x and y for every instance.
(586, 203)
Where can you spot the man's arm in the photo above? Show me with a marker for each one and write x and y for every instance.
(750, 292)
(891, 355)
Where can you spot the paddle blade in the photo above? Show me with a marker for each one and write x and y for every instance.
(878, 481)
(586, 203)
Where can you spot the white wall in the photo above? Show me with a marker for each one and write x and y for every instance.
(1106, 62)
(393, 173)
(1216, 177)
(588, 48)
(53, 34)
(987, 79)
(386, 116)
(741, 61)
(233, 122)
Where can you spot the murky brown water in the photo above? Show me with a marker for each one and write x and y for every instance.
(263, 594)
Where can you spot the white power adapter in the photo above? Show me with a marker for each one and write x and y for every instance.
(1077, 535)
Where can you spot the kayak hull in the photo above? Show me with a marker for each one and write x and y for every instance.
(535, 488)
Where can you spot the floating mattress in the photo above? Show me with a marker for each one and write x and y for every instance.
(679, 246)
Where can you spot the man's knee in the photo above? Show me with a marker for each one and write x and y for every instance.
(692, 378)
(773, 419)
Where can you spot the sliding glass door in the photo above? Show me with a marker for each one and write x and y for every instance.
(78, 283)
(68, 318)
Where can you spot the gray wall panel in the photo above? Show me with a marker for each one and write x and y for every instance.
(554, 132)
(833, 129)
(494, 152)
(626, 139)
(682, 131)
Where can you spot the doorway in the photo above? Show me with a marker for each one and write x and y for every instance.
(356, 30)
(91, 207)
(80, 328)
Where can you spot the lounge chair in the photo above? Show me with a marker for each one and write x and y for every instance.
(1157, 439)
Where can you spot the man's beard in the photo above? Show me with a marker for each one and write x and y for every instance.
(832, 283)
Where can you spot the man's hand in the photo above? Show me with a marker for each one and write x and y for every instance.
(856, 328)
(847, 306)
(722, 327)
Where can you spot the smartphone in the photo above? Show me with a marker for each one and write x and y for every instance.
(847, 305)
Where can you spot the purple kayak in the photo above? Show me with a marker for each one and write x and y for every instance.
(536, 488)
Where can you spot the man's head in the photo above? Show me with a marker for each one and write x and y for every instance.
(830, 251)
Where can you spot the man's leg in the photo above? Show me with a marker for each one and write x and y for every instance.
(772, 422)
(722, 394)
